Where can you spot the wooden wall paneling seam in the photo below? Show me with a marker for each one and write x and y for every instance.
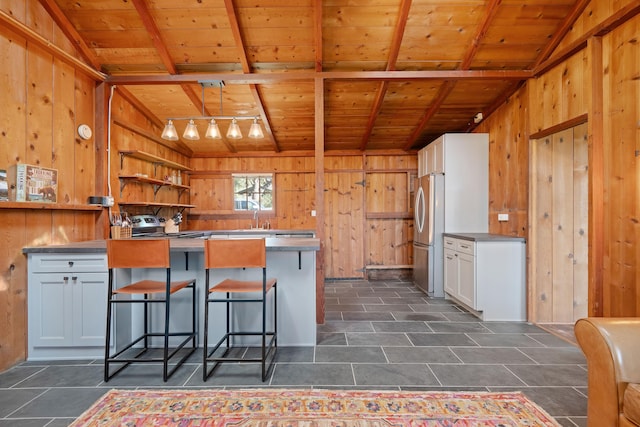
(320, 186)
(581, 222)
(101, 134)
(596, 179)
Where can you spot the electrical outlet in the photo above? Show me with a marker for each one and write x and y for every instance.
(107, 201)
(503, 217)
(313, 213)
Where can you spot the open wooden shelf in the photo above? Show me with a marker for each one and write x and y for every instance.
(158, 161)
(49, 206)
(156, 183)
(156, 206)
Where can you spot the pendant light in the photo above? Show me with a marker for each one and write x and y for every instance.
(234, 130)
(170, 132)
(255, 131)
(213, 131)
(191, 131)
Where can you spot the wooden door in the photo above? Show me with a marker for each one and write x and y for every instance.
(558, 239)
(344, 225)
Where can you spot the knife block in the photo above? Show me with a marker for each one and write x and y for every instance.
(171, 227)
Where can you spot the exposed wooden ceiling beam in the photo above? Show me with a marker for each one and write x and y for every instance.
(444, 91)
(614, 21)
(481, 32)
(70, 31)
(161, 48)
(237, 35)
(394, 50)
(48, 46)
(562, 31)
(276, 77)
(447, 88)
(246, 68)
(152, 29)
(317, 33)
(263, 113)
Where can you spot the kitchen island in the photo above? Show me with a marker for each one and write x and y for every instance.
(67, 293)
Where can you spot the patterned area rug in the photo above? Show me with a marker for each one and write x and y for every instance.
(312, 408)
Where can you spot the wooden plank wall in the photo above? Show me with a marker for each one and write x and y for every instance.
(377, 232)
(43, 102)
(558, 96)
(211, 192)
(132, 130)
(621, 126)
(508, 171)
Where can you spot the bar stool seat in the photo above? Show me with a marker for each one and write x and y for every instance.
(239, 254)
(146, 254)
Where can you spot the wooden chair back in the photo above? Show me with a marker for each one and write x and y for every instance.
(133, 253)
(235, 253)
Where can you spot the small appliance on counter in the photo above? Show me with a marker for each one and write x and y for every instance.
(146, 224)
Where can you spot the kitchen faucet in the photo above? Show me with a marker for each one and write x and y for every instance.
(255, 217)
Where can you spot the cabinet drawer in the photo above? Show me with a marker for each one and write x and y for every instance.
(68, 263)
(450, 243)
(465, 246)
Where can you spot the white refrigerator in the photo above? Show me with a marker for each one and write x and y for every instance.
(427, 239)
(451, 197)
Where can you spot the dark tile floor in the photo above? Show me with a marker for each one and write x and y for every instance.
(382, 335)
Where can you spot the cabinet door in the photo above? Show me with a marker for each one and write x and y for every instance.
(450, 272)
(438, 156)
(50, 310)
(89, 308)
(467, 279)
(428, 160)
(67, 309)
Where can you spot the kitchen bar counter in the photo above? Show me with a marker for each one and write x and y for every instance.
(67, 290)
(182, 245)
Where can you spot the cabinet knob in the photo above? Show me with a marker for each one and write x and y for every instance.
(70, 263)
(65, 278)
(74, 278)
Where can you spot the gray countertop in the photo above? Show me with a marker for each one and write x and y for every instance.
(182, 245)
(485, 237)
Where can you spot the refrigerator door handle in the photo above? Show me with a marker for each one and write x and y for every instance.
(432, 209)
(419, 211)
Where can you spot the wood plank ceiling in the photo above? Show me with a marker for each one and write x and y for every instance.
(397, 73)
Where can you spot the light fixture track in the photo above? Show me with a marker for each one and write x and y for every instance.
(213, 132)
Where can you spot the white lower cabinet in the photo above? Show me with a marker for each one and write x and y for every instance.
(67, 301)
(487, 276)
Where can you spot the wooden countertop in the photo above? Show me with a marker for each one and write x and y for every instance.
(179, 245)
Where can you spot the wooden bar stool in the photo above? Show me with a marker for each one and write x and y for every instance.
(244, 254)
(151, 254)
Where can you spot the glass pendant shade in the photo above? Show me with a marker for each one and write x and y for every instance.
(170, 133)
(191, 131)
(234, 130)
(213, 131)
(255, 131)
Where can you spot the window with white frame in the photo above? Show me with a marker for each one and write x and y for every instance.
(253, 192)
